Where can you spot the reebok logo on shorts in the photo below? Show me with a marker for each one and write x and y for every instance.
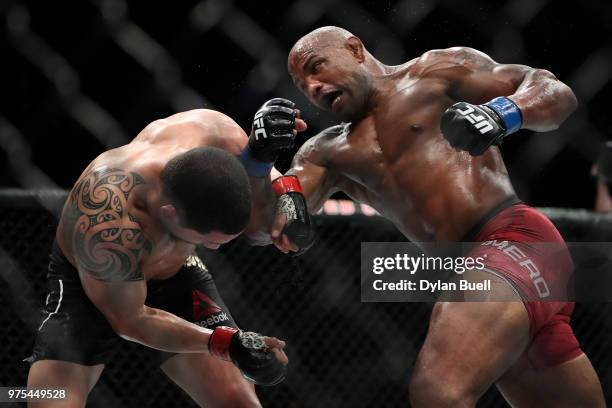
(213, 320)
(205, 311)
(193, 260)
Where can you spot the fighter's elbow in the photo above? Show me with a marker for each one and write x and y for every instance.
(555, 102)
(571, 99)
(126, 326)
(564, 101)
(123, 328)
(128, 335)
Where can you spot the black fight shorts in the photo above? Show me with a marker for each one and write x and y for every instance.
(73, 329)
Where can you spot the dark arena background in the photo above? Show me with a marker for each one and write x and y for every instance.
(80, 77)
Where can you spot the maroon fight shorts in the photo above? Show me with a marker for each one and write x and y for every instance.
(511, 242)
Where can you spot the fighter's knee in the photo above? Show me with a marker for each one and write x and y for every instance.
(233, 395)
(241, 403)
(246, 401)
(230, 402)
(428, 389)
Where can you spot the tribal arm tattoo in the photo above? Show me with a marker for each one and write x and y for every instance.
(107, 241)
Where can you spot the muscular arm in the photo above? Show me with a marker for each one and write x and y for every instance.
(108, 246)
(544, 101)
(309, 165)
(122, 303)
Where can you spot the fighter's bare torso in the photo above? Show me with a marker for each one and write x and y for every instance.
(138, 165)
(397, 160)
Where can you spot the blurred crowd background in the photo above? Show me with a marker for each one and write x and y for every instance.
(80, 77)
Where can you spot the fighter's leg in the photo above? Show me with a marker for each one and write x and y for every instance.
(571, 384)
(73, 340)
(76, 379)
(469, 346)
(210, 382)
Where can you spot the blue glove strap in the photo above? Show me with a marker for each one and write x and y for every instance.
(254, 167)
(509, 113)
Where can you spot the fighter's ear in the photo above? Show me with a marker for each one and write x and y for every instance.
(355, 46)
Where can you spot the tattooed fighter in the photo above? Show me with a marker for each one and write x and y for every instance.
(419, 145)
(123, 263)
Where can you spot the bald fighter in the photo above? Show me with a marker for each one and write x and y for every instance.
(419, 144)
(123, 265)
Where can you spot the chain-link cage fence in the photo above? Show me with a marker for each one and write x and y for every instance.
(343, 353)
(85, 76)
(92, 74)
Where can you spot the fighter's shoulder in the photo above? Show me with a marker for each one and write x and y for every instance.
(100, 222)
(203, 127)
(217, 124)
(195, 120)
(197, 115)
(112, 185)
(319, 145)
(332, 132)
(466, 57)
(209, 117)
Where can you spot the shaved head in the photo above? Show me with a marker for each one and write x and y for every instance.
(320, 38)
(332, 68)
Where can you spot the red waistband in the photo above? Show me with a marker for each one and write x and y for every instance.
(472, 233)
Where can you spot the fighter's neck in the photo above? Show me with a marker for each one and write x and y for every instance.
(382, 87)
(394, 72)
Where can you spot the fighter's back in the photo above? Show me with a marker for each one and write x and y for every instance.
(162, 139)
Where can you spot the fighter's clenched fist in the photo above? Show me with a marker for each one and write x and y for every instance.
(476, 127)
(293, 229)
(275, 126)
(260, 359)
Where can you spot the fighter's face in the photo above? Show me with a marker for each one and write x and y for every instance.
(210, 240)
(180, 232)
(333, 80)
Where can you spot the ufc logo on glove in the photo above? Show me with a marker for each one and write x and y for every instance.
(479, 121)
(258, 126)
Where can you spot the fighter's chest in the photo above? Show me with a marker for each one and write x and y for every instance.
(407, 120)
(371, 151)
(356, 153)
